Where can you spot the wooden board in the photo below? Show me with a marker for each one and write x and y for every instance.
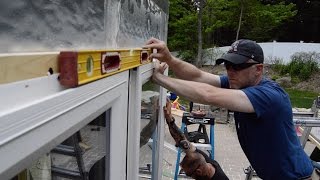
(17, 67)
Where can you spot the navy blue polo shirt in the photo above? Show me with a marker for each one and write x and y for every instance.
(268, 137)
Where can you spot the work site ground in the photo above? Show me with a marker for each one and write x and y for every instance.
(227, 150)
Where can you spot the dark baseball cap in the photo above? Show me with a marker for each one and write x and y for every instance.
(241, 51)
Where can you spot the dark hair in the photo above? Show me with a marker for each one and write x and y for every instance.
(191, 162)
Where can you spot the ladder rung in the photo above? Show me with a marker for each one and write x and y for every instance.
(61, 172)
(64, 149)
(202, 146)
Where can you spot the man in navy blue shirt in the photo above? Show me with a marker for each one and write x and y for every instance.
(262, 109)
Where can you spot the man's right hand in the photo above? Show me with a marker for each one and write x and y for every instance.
(163, 54)
(167, 111)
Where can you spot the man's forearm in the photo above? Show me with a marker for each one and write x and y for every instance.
(193, 91)
(183, 70)
(175, 132)
(179, 137)
(232, 99)
(189, 72)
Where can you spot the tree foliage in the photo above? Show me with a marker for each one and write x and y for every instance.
(182, 25)
(305, 26)
(302, 65)
(220, 18)
(262, 21)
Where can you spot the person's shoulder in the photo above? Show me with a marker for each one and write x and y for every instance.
(268, 90)
(272, 86)
(268, 82)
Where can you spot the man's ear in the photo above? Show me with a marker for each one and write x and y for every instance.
(259, 68)
(199, 171)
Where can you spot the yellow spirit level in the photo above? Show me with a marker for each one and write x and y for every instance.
(77, 68)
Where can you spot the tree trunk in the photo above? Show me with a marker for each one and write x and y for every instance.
(240, 19)
(199, 58)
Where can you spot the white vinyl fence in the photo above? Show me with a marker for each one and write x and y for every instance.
(272, 50)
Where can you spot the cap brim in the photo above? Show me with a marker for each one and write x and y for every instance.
(233, 58)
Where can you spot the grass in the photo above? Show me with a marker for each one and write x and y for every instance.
(301, 99)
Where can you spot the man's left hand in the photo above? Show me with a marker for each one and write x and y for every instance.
(159, 69)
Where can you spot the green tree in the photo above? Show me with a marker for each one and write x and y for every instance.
(262, 21)
(199, 6)
(223, 19)
(218, 14)
(253, 19)
(182, 28)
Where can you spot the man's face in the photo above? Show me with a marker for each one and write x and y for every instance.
(242, 75)
(202, 174)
